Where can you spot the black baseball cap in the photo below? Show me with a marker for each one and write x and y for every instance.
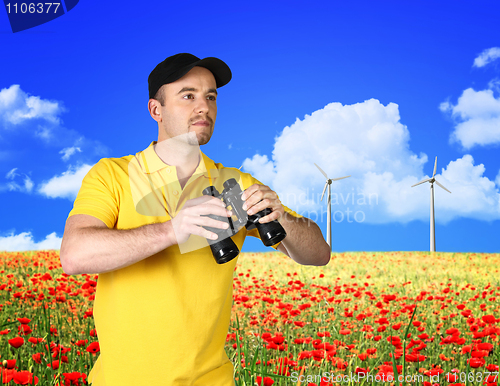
(176, 66)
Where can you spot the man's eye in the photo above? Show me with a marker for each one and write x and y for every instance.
(211, 97)
(188, 96)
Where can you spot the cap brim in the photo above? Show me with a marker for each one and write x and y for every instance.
(221, 71)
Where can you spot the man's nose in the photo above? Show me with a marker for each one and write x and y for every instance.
(202, 106)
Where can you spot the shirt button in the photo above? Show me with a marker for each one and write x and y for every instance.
(167, 170)
(175, 192)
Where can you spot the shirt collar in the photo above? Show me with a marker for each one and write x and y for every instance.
(151, 163)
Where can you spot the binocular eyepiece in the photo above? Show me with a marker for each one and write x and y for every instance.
(223, 248)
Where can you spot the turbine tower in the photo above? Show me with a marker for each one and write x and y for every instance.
(432, 180)
(329, 220)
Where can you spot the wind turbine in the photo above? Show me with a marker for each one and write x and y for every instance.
(432, 180)
(329, 220)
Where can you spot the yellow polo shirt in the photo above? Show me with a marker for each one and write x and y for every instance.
(162, 320)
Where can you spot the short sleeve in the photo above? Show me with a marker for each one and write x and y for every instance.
(97, 196)
(248, 181)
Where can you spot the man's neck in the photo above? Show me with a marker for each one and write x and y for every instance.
(183, 156)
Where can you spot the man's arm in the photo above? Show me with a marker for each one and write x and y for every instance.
(89, 246)
(304, 242)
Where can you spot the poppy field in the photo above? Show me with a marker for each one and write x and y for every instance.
(365, 318)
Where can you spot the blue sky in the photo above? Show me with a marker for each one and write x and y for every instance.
(375, 90)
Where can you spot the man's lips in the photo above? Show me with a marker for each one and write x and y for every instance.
(201, 123)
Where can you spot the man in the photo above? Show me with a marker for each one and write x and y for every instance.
(163, 305)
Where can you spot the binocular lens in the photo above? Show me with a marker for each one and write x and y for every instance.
(224, 250)
(271, 237)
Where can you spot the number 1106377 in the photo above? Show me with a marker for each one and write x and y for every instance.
(32, 7)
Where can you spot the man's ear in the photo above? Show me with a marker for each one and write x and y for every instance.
(154, 109)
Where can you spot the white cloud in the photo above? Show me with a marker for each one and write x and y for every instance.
(16, 107)
(26, 186)
(24, 242)
(487, 56)
(41, 118)
(497, 179)
(12, 174)
(368, 141)
(68, 152)
(263, 169)
(66, 185)
(477, 117)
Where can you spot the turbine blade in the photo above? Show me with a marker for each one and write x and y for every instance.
(435, 167)
(421, 182)
(324, 191)
(240, 167)
(441, 186)
(340, 178)
(322, 172)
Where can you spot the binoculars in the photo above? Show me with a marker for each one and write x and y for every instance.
(223, 248)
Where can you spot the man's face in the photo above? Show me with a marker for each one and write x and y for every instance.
(189, 106)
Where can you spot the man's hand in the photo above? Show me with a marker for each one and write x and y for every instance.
(259, 197)
(192, 218)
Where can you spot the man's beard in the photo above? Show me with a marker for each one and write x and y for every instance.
(203, 137)
(201, 140)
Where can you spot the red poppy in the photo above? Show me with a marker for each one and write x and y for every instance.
(318, 355)
(361, 370)
(434, 372)
(371, 351)
(415, 357)
(388, 298)
(363, 356)
(7, 375)
(277, 340)
(35, 340)
(24, 378)
(305, 355)
(38, 357)
(479, 354)
(54, 365)
(10, 363)
(265, 382)
(74, 377)
(475, 362)
(24, 320)
(24, 329)
(16, 342)
(93, 347)
(490, 319)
